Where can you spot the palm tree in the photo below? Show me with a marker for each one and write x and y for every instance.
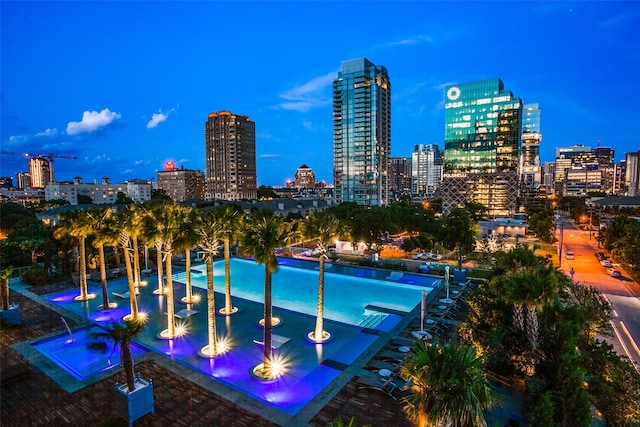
(207, 229)
(121, 334)
(135, 230)
(231, 216)
(77, 225)
(124, 225)
(263, 235)
(5, 276)
(151, 237)
(188, 239)
(322, 227)
(169, 222)
(449, 386)
(100, 219)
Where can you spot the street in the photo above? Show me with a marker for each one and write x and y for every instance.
(622, 293)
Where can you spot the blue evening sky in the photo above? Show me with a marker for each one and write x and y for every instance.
(126, 86)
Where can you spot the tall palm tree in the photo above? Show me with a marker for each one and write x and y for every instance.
(135, 230)
(232, 219)
(100, 219)
(5, 276)
(263, 235)
(124, 225)
(323, 227)
(151, 237)
(189, 239)
(121, 334)
(207, 229)
(169, 222)
(449, 387)
(77, 225)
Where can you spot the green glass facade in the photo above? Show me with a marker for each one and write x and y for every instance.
(361, 133)
(482, 128)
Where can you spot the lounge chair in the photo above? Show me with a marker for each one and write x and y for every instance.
(123, 295)
(277, 341)
(391, 355)
(377, 365)
(395, 275)
(387, 385)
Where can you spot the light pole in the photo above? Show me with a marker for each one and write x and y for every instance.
(560, 245)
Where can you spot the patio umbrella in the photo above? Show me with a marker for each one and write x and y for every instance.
(446, 300)
(422, 334)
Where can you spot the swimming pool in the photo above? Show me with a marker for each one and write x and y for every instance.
(351, 292)
(348, 298)
(69, 351)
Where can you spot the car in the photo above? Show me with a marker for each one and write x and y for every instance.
(599, 255)
(570, 255)
(616, 273)
(606, 263)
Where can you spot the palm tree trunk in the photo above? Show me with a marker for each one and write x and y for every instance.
(133, 301)
(103, 278)
(187, 263)
(83, 270)
(227, 278)
(318, 335)
(268, 352)
(171, 324)
(127, 365)
(211, 306)
(136, 262)
(160, 289)
(4, 291)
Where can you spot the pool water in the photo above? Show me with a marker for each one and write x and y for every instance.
(346, 298)
(70, 352)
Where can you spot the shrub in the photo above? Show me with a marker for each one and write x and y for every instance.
(35, 276)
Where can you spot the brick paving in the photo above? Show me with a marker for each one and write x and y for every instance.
(30, 398)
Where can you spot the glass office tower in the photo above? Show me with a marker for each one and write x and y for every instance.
(530, 170)
(361, 133)
(482, 146)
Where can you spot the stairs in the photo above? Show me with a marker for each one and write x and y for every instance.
(371, 320)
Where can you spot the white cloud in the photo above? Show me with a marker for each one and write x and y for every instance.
(309, 95)
(414, 40)
(160, 117)
(156, 119)
(91, 121)
(48, 132)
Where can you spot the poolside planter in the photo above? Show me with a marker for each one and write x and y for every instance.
(11, 316)
(460, 276)
(135, 404)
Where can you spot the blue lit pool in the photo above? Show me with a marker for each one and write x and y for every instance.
(351, 294)
(346, 296)
(71, 354)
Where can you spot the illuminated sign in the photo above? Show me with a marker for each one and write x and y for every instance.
(169, 166)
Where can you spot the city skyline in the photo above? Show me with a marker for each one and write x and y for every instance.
(127, 86)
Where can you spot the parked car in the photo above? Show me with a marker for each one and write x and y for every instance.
(606, 263)
(599, 255)
(616, 273)
(570, 255)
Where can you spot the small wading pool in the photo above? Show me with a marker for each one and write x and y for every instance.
(70, 352)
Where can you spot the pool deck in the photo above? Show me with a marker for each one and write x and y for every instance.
(332, 401)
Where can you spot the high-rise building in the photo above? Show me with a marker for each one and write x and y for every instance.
(426, 169)
(305, 178)
(40, 171)
(230, 157)
(632, 178)
(581, 169)
(181, 184)
(361, 133)
(23, 180)
(399, 176)
(482, 147)
(530, 171)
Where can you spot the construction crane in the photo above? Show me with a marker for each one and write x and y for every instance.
(48, 156)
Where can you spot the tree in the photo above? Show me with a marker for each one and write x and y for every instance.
(207, 229)
(5, 276)
(122, 335)
(458, 231)
(77, 225)
(100, 218)
(541, 222)
(449, 386)
(188, 238)
(124, 225)
(322, 227)
(263, 235)
(231, 218)
(169, 221)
